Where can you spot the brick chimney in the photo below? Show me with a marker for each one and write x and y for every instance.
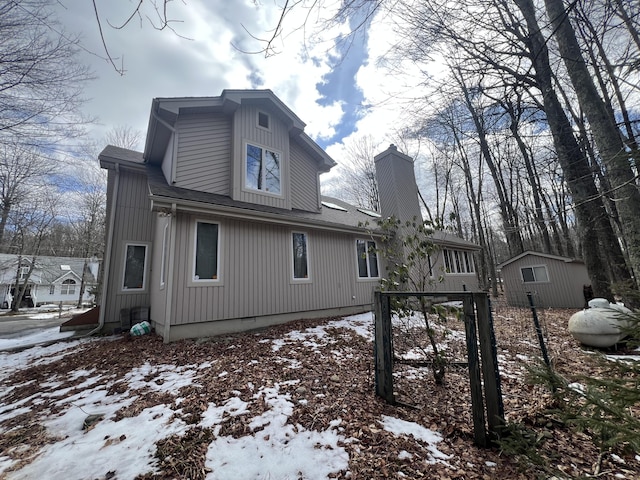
(397, 186)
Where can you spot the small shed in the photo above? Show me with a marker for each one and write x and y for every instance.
(555, 281)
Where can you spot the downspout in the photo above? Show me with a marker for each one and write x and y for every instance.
(169, 280)
(108, 248)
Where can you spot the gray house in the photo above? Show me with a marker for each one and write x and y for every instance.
(219, 225)
(554, 281)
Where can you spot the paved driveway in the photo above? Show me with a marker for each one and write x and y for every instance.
(30, 321)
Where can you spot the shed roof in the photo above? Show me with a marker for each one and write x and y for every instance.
(540, 254)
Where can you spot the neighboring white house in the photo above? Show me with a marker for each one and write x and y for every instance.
(53, 279)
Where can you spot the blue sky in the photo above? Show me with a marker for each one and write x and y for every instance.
(316, 79)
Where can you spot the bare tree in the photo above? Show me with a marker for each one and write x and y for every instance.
(89, 223)
(359, 173)
(603, 127)
(31, 224)
(22, 171)
(124, 136)
(41, 80)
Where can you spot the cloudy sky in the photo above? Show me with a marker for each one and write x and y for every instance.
(335, 99)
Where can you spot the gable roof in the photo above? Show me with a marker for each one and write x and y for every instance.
(542, 255)
(165, 111)
(48, 269)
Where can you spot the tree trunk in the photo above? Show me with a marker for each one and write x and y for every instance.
(603, 127)
(574, 165)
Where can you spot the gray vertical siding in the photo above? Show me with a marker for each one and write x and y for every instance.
(204, 153)
(255, 274)
(397, 185)
(564, 289)
(304, 180)
(133, 223)
(245, 128)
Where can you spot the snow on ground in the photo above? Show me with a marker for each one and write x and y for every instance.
(125, 442)
(39, 336)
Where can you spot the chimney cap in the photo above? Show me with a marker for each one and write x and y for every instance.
(393, 147)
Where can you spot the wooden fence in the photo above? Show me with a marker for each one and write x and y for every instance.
(487, 409)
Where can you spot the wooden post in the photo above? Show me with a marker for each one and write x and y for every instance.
(490, 373)
(383, 347)
(477, 406)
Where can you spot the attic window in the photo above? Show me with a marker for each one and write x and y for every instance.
(371, 213)
(333, 206)
(263, 120)
(66, 268)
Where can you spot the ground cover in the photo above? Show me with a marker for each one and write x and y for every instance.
(294, 401)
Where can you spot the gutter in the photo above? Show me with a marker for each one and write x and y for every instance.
(108, 249)
(241, 213)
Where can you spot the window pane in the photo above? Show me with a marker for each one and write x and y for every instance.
(254, 167)
(68, 287)
(447, 262)
(468, 260)
(362, 258)
(527, 274)
(206, 251)
(373, 260)
(540, 274)
(134, 266)
(456, 254)
(272, 171)
(300, 269)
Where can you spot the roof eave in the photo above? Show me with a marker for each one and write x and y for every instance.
(165, 204)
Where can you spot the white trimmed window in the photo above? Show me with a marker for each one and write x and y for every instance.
(135, 267)
(534, 274)
(263, 168)
(300, 256)
(24, 270)
(206, 252)
(68, 287)
(367, 259)
(458, 261)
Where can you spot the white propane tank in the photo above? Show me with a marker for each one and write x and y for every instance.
(600, 324)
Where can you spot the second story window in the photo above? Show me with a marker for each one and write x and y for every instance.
(262, 169)
(68, 287)
(24, 271)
